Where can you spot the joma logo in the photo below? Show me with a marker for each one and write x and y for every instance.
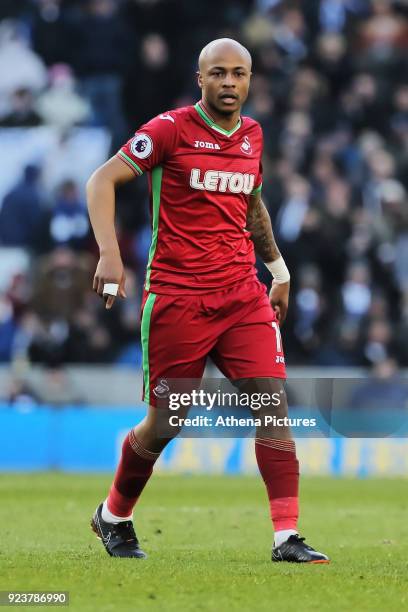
(200, 144)
(216, 180)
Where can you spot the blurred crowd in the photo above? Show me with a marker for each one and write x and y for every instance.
(330, 90)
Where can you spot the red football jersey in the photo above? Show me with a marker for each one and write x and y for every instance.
(200, 179)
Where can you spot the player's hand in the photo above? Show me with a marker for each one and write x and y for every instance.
(279, 299)
(109, 270)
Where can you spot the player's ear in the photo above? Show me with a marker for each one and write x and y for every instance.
(199, 79)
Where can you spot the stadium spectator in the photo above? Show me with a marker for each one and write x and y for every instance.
(401, 331)
(69, 224)
(49, 30)
(289, 33)
(154, 66)
(20, 66)
(28, 330)
(309, 309)
(101, 48)
(356, 292)
(293, 211)
(61, 283)
(22, 112)
(8, 329)
(333, 62)
(21, 213)
(384, 33)
(340, 347)
(61, 105)
(379, 341)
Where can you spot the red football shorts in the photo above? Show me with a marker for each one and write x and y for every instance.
(236, 327)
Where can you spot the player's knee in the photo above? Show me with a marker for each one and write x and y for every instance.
(161, 424)
(151, 437)
(268, 401)
(266, 395)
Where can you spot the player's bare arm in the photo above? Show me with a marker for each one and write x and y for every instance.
(260, 226)
(101, 207)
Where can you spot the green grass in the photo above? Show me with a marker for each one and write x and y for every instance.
(208, 540)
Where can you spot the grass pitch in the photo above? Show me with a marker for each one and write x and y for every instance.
(208, 540)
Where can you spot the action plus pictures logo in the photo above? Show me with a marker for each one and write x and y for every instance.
(141, 146)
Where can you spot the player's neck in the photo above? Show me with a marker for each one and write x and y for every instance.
(227, 122)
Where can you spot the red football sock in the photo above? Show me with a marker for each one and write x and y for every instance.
(133, 472)
(280, 470)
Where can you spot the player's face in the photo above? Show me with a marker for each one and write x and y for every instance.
(224, 80)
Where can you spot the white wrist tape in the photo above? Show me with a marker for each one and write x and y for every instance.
(278, 270)
(110, 289)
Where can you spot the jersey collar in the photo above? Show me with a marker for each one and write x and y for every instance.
(205, 117)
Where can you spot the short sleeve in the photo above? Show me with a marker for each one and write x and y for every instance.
(258, 179)
(151, 145)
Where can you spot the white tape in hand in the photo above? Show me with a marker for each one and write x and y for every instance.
(110, 289)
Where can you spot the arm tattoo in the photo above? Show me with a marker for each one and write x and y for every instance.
(259, 224)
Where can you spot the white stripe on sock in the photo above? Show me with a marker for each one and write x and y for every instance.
(283, 535)
(108, 517)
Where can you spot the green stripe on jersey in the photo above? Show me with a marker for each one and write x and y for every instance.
(256, 190)
(130, 160)
(145, 334)
(157, 174)
(211, 123)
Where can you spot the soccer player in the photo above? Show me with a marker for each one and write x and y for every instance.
(202, 296)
